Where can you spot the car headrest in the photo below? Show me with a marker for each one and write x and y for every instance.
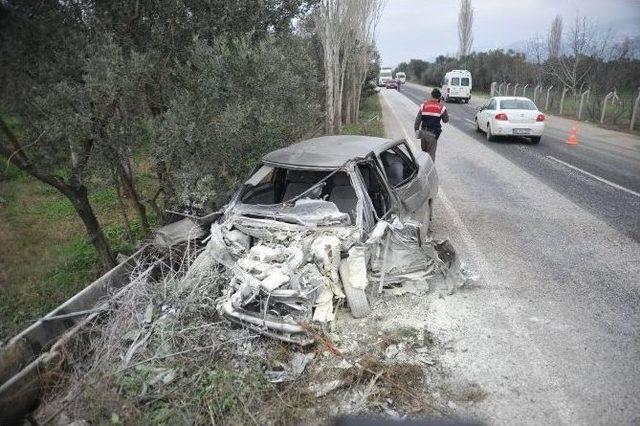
(304, 176)
(341, 179)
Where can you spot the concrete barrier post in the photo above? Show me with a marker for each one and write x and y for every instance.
(515, 89)
(634, 113)
(506, 90)
(604, 104)
(546, 103)
(500, 88)
(582, 98)
(536, 90)
(492, 91)
(524, 90)
(564, 92)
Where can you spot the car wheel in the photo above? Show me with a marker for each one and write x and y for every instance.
(535, 140)
(357, 300)
(490, 136)
(478, 129)
(466, 101)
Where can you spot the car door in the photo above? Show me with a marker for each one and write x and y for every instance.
(411, 180)
(487, 113)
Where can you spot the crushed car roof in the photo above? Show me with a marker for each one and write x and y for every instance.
(326, 152)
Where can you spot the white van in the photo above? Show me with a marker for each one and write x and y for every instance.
(401, 77)
(385, 75)
(457, 86)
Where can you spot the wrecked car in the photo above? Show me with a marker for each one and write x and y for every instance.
(330, 219)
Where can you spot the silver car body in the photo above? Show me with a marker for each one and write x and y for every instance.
(322, 220)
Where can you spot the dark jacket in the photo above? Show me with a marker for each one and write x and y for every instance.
(431, 113)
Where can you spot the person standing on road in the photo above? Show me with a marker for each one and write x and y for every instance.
(428, 123)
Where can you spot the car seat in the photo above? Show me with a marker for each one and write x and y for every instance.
(343, 195)
(394, 167)
(298, 181)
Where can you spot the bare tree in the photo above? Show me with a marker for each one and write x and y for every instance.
(465, 28)
(345, 30)
(554, 38)
(327, 21)
(585, 45)
(358, 52)
(535, 52)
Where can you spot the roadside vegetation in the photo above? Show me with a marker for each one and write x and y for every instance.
(46, 256)
(573, 58)
(370, 122)
(113, 114)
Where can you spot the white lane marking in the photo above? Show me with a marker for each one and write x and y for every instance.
(470, 120)
(603, 180)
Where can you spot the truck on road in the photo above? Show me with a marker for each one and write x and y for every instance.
(386, 74)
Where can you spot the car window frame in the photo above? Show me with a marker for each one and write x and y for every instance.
(406, 156)
(495, 105)
(535, 107)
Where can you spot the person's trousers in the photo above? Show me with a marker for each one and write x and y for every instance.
(429, 143)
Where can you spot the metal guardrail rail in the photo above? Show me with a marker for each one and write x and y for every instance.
(26, 357)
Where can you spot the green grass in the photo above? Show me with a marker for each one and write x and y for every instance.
(370, 120)
(45, 256)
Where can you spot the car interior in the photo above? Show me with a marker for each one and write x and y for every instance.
(281, 185)
(398, 165)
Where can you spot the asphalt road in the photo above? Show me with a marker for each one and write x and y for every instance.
(610, 156)
(551, 332)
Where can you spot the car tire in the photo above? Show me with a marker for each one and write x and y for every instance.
(466, 101)
(490, 136)
(478, 129)
(535, 140)
(357, 300)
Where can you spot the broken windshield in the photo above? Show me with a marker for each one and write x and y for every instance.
(274, 188)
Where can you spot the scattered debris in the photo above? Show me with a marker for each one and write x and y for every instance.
(291, 371)
(322, 389)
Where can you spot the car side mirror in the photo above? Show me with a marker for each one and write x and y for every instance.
(480, 108)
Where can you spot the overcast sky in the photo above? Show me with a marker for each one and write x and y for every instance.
(424, 29)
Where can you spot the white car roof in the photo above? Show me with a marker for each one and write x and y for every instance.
(500, 98)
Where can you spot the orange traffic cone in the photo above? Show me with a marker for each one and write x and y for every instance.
(573, 135)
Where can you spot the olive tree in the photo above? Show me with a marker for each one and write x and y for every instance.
(231, 103)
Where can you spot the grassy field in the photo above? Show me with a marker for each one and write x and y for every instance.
(370, 122)
(45, 256)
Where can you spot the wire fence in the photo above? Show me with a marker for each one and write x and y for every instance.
(599, 105)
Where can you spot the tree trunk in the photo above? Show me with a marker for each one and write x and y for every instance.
(123, 207)
(80, 201)
(76, 194)
(126, 177)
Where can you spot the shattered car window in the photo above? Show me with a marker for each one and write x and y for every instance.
(270, 186)
(375, 189)
(398, 166)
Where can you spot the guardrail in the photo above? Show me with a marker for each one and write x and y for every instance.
(26, 358)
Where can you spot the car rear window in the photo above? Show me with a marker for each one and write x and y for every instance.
(465, 81)
(517, 104)
(455, 81)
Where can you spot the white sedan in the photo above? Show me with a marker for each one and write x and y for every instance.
(510, 116)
